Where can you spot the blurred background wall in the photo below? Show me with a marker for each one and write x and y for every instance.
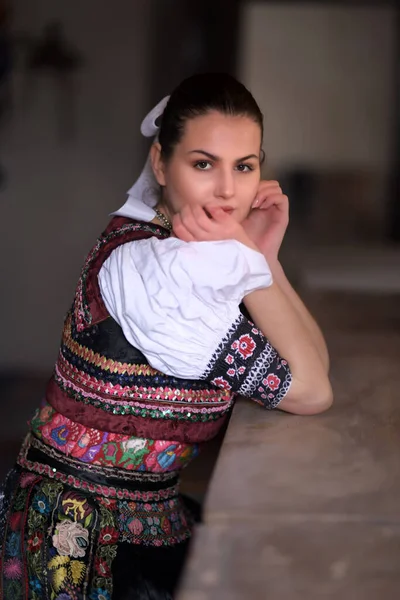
(61, 184)
(325, 75)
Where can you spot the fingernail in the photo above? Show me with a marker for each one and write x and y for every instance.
(255, 203)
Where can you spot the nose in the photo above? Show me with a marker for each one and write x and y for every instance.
(225, 185)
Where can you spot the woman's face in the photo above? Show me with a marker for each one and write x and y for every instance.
(217, 162)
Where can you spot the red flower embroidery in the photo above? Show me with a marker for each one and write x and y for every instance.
(102, 568)
(245, 345)
(221, 383)
(35, 541)
(108, 535)
(111, 504)
(229, 359)
(231, 372)
(273, 382)
(15, 520)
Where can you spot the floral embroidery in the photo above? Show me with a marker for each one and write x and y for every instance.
(63, 527)
(265, 378)
(105, 553)
(102, 567)
(13, 568)
(70, 539)
(112, 449)
(221, 382)
(13, 543)
(272, 381)
(108, 535)
(76, 506)
(108, 503)
(35, 541)
(13, 558)
(35, 585)
(26, 479)
(15, 519)
(156, 523)
(229, 359)
(99, 594)
(245, 345)
(66, 574)
(41, 504)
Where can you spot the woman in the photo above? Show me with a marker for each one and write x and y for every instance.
(157, 345)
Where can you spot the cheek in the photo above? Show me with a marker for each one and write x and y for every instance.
(183, 187)
(248, 190)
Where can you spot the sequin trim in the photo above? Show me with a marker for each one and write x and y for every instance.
(164, 392)
(137, 409)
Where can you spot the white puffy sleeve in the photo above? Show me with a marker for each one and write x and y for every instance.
(178, 303)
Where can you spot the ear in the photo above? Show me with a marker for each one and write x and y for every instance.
(157, 163)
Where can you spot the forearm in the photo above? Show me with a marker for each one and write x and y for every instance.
(309, 322)
(275, 315)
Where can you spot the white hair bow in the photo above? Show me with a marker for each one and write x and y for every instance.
(145, 192)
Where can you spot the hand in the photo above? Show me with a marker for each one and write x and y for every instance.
(196, 224)
(268, 220)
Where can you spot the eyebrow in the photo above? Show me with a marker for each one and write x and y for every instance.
(216, 158)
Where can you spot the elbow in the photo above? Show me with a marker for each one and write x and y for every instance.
(317, 401)
(308, 400)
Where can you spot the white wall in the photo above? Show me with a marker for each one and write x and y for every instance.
(59, 195)
(324, 78)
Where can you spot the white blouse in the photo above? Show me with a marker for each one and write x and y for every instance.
(175, 301)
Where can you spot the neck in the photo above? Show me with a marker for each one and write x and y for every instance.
(163, 216)
(163, 208)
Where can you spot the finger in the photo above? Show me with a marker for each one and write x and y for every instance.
(180, 230)
(189, 222)
(266, 182)
(201, 218)
(264, 192)
(279, 200)
(274, 199)
(263, 185)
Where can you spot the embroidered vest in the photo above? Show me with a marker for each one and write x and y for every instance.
(101, 382)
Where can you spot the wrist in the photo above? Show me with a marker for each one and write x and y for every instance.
(244, 239)
(272, 260)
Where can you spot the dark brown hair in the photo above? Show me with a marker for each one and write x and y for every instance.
(198, 95)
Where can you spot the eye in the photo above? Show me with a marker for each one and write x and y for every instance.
(244, 168)
(203, 165)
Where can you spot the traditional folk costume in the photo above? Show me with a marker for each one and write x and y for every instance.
(153, 353)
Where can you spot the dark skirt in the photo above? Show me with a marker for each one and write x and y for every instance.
(69, 534)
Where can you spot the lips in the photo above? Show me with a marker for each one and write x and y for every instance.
(227, 209)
